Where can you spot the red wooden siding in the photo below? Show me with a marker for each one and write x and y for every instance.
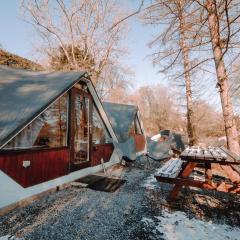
(140, 142)
(45, 165)
(101, 151)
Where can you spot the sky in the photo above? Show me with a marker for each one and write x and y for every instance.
(15, 33)
(17, 37)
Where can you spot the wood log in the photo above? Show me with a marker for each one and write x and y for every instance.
(231, 174)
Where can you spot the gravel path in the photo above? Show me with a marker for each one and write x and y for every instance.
(136, 211)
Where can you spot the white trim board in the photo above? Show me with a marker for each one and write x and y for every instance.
(100, 108)
(11, 192)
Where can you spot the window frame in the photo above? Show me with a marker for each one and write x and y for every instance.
(136, 120)
(98, 112)
(73, 93)
(43, 148)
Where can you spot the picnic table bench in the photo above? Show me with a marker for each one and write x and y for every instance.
(178, 171)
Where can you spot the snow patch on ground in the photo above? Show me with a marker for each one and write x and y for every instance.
(147, 220)
(9, 237)
(177, 225)
(150, 182)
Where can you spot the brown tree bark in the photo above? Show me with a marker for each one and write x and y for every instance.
(222, 78)
(191, 126)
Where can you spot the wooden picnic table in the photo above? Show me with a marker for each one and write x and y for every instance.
(205, 158)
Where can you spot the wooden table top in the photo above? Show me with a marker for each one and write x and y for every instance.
(210, 155)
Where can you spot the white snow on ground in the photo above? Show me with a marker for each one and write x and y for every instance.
(177, 226)
(150, 182)
(156, 137)
(9, 237)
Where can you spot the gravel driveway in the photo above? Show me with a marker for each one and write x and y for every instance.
(138, 210)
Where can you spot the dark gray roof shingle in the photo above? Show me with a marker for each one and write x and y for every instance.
(23, 94)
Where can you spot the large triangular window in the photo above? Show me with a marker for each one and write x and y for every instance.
(48, 130)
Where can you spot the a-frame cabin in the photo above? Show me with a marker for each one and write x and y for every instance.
(53, 130)
(127, 125)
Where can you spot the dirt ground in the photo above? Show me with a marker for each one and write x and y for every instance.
(137, 210)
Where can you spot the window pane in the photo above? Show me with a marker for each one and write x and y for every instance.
(138, 129)
(48, 130)
(81, 129)
(100, 133)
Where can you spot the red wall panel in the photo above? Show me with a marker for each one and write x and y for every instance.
(101, 151)
(140, 142)
(45, 165)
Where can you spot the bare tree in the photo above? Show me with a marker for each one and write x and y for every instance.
(158, 109)
(230, 125)
(76, 35)
(115, 84)
(174, 41)
(235, 88)
(209, 121)
(186, 63)
(221, 18)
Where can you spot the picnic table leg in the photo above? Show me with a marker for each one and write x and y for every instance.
(208, 175)
(184, 174)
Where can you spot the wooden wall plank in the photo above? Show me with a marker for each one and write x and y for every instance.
(101, 151)
(45, 165)
(140, 142)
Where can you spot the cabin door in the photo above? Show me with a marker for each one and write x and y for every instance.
(81, 130)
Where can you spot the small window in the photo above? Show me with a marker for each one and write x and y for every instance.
(100, 134)
(48, 130)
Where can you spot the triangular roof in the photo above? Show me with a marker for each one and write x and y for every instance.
(121, 117)
(25, 94)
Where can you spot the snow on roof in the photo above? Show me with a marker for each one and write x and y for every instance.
(121, 117)
(159, 150)
(24, 94)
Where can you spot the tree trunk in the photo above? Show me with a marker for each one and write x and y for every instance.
(222, 78)
(191, 127)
